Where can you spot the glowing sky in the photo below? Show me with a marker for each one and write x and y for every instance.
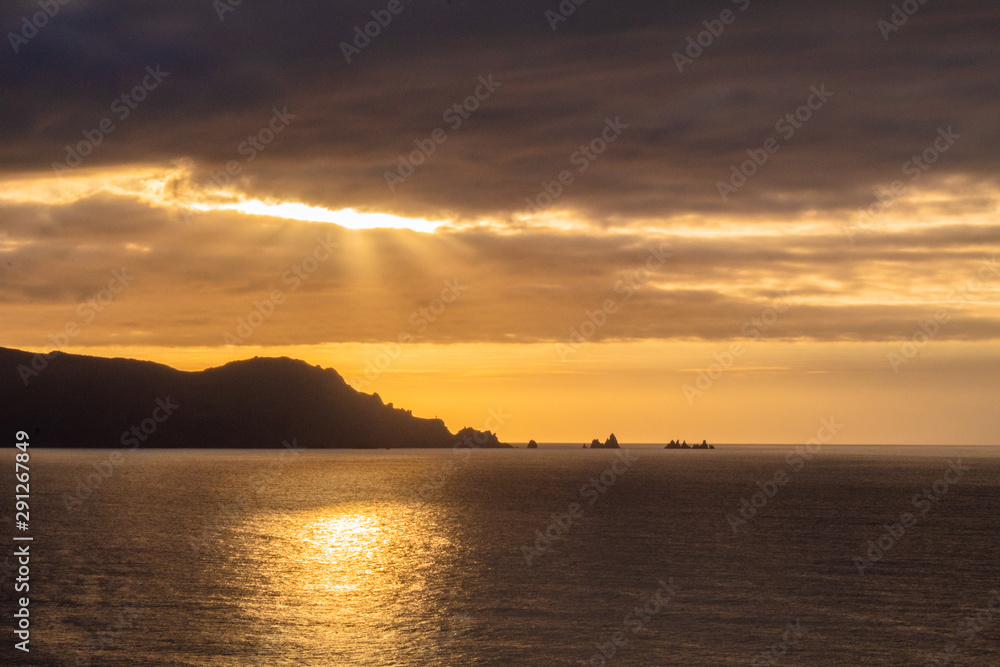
(557, 247)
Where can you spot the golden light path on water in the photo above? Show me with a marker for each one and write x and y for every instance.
(353, 581)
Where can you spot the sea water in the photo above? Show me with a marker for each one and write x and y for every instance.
(556, 556)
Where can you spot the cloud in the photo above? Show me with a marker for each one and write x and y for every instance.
(197, 275)
(151, 195)
(352, 121)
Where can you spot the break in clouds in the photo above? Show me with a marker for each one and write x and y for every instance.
(775, 150)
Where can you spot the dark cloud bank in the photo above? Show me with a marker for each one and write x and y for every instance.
(606, 60)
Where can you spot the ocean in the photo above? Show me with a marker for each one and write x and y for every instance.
(742, 555)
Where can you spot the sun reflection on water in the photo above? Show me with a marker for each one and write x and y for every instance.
(356, 540)
(360, 578)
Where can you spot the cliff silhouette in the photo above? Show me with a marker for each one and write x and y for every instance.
(69, 400)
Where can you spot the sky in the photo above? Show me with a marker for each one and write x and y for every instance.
(727, 220)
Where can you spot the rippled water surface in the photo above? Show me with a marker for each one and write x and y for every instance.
(397, 557)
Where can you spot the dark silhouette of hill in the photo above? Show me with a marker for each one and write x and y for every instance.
(81, 401)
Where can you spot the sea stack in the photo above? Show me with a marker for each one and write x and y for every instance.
(610, 443)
